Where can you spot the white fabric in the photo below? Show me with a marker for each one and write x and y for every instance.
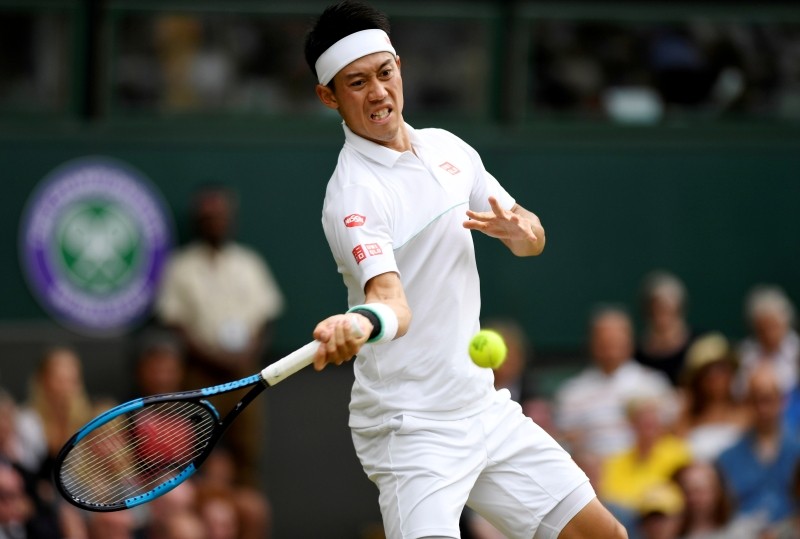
(592, 404)
(498, 462)
(706, 442)
(404, 212)
(349, 49)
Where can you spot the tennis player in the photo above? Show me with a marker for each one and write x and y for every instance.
(429, 428)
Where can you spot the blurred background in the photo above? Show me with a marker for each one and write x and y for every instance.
(646, 135)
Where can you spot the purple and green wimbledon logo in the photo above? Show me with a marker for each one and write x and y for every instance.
(94, 238)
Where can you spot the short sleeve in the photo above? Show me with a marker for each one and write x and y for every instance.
(358, 228)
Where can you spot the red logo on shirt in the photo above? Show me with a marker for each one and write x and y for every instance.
(373, 249)
(449, 167)
(359, 254)
(354, 219)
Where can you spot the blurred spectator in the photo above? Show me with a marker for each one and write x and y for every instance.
(16, 509)
(158, 365)
(660, 512)
(590, 407)
(59, 405)
(179, 501)
(773, 340)
(221, 299)
(112, 525)
(58, 401)
(709, 508)
(652, 459)
(789, 528)
(758, 467)
(712, 418)
(184, 525)
(18, 434)
(253, 510)
(666, 334)
(219, 515)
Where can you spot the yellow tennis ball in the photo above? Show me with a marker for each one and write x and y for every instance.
(488, 349)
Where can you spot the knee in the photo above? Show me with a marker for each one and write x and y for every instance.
(619, 532)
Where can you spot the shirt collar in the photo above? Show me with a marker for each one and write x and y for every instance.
(380, 154)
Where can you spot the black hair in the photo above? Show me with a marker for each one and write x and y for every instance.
(338, 21)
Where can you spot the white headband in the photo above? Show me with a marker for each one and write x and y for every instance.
(351, 48)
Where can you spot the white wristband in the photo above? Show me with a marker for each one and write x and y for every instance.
(387, 318)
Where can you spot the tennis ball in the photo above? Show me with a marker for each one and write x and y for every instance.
(488, 349)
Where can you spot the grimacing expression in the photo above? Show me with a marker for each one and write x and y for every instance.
(368, 94)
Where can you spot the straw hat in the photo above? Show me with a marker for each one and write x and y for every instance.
(705, 350)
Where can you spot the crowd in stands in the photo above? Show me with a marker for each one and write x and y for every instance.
(684, 434)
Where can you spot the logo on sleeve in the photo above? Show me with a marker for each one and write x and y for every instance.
(449, 167)
(359, 254)
(354, 219)
(373, 249)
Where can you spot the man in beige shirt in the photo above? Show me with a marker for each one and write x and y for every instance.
(220, 297)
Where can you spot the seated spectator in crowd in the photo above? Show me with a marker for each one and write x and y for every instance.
(789, 528)
(666, 334)
(58, 401)
(158, 365)
(112, 525)
(709, 510)
(184, 525)
(181, 500)
(17, 434)
(758, 468)
(57, 406)
(652, 460)
(219, 515)
(712, 418)
(773, 340)
(253, 510)
(590, 406)
(660, 511)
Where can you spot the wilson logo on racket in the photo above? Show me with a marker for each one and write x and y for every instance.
(354, 219)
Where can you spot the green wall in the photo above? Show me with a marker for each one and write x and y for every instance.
(716, 205)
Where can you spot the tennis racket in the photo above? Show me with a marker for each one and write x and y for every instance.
(142, 449)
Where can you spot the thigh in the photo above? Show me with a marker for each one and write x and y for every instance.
(424, 470)
(594, 521)
(527, 475)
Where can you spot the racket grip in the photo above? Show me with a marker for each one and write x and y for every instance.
(287, 366)
(298, 360)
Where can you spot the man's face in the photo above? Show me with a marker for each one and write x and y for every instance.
(611, 341)
(368, 93)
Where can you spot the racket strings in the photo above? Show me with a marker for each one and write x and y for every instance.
(137, 451)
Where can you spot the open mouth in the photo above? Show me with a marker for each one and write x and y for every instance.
(381, 114)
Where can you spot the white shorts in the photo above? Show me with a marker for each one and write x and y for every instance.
(499, 463)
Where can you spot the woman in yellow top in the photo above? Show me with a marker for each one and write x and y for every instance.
(654, 457)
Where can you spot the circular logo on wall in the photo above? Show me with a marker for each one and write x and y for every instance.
(94, 238)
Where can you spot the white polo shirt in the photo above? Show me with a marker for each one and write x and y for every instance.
(403, 212)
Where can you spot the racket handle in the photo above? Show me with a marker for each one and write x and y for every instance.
(287, 366)
(298, 360)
